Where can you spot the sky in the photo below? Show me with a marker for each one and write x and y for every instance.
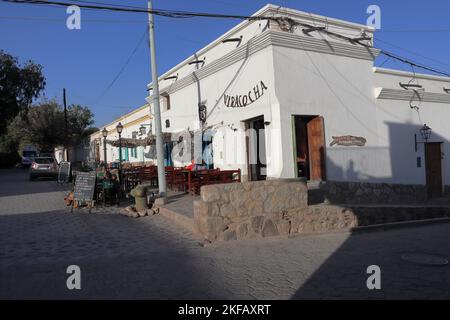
(106, 66)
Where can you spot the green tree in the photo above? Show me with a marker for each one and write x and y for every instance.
(79, 119)
(44, 125)
(41, 124)
(19, 85)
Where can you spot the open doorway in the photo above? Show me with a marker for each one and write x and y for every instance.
(256, 149)
(309, 147)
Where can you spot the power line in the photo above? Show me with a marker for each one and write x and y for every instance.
(288, 23)
(416, 31)
(50, 19)
(413, 64)
(159, 12)
(412, 52)
(123, 67)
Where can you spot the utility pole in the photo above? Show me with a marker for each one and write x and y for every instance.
(65, 125)
(157, 110)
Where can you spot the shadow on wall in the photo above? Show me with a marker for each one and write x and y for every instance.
(396, 164)
(394, 174)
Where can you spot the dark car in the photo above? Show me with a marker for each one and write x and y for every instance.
(43, 167)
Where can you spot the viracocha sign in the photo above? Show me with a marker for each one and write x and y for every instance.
(243, 100)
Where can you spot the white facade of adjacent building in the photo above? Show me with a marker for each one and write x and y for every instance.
(132, 122)
(320, 108)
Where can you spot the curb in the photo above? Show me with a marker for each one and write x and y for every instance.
(401, 224)
(180, 219)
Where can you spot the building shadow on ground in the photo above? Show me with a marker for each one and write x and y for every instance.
(119, 258)
(344, 274)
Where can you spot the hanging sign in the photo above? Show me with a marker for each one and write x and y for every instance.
(348, 141)
(243, 100)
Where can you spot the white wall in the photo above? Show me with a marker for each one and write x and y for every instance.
(397, 124)
(237, 79)
(337, 88)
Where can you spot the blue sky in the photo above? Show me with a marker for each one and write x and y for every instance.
(86, 61)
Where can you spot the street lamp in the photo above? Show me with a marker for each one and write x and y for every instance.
(104, 134)
(119, 128)
(425, 133)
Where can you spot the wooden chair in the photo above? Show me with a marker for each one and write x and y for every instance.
(230, 176)
(148, 174)
(194, 183)
(179, 179)
(212, 177)
(169, 176)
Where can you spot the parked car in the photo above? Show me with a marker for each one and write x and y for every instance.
(43, 167)
(28, 155)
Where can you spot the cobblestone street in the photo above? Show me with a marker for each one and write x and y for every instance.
(150, 258)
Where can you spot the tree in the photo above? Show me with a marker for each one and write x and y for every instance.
(19, 85)
(80, 120)
(44, 125)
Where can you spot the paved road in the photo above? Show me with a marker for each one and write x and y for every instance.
(150, 258)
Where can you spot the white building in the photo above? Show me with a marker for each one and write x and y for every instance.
(132, 123)
(320, 107)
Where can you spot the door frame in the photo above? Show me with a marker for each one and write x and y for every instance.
(294, 144)
(251, 176)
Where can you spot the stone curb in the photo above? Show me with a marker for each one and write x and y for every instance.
(181, 220)
(401, 224)
(375, 227)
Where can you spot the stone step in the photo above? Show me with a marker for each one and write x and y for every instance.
(180, 219)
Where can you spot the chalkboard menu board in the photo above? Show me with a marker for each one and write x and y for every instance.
(64, 172)
(84, 186)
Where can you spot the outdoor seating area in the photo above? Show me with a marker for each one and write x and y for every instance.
(178, 179)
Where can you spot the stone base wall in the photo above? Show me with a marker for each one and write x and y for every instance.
(261, 209)
(249, 209)
(328, 218)
(371, 193)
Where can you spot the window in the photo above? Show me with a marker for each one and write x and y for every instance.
(134, 134)
(165, 102)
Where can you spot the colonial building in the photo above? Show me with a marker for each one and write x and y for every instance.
(283, 100)
(136, 125)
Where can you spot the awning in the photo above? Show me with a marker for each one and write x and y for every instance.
(134, 142)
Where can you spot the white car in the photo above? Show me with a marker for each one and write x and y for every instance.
(43, 167)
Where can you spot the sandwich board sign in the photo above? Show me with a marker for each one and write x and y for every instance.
(84, 188)
(64, 172)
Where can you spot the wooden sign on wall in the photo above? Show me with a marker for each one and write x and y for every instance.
(348, 141)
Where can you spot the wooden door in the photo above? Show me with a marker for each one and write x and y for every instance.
(433, 167)
(316, 146)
